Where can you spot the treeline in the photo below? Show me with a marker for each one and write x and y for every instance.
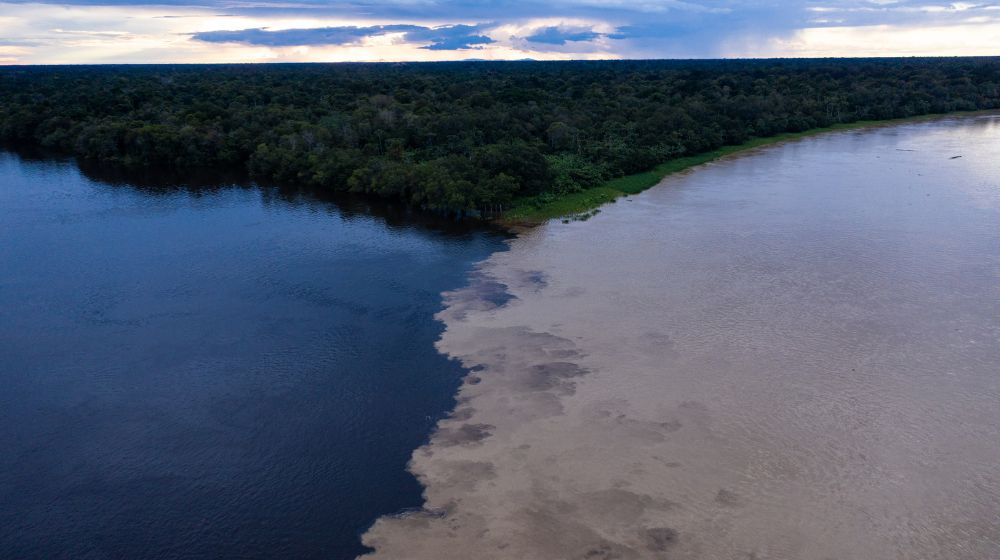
(463, 136)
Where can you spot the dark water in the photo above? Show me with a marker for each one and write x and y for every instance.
(213, 373)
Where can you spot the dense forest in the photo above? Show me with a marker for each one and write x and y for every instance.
(464, 136)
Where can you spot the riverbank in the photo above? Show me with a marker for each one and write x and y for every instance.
(785, 356)
(530, 211)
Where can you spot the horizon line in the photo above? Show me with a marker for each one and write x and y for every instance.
(510, 60)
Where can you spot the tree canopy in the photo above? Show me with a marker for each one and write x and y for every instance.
(460, 136)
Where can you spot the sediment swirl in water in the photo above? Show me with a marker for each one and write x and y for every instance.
(792, 354)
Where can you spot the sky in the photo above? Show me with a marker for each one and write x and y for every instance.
(194, 31)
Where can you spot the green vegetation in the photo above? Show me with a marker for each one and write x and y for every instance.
(521, 141)
(583, 204)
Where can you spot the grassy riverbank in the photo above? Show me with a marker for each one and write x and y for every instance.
(528, 211)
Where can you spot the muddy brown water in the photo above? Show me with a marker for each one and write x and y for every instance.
(789, 354)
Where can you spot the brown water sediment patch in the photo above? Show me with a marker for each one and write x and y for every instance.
(789, 355)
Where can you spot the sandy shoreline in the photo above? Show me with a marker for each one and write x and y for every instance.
(734, 366)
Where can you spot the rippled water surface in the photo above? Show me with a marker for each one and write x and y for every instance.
(211, 373)
(791, 354)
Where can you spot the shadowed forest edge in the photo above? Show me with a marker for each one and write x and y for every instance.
(521, 140)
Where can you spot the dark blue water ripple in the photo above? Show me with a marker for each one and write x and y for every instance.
(212, 373)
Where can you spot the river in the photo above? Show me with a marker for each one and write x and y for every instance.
(789, 354)
(212, 372)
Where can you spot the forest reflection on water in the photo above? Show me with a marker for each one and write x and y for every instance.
(204, 369)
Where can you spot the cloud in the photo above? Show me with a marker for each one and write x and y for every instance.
(560, 36)
(447, 37)
(301, 37)
(450, 37)
(53, 31)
